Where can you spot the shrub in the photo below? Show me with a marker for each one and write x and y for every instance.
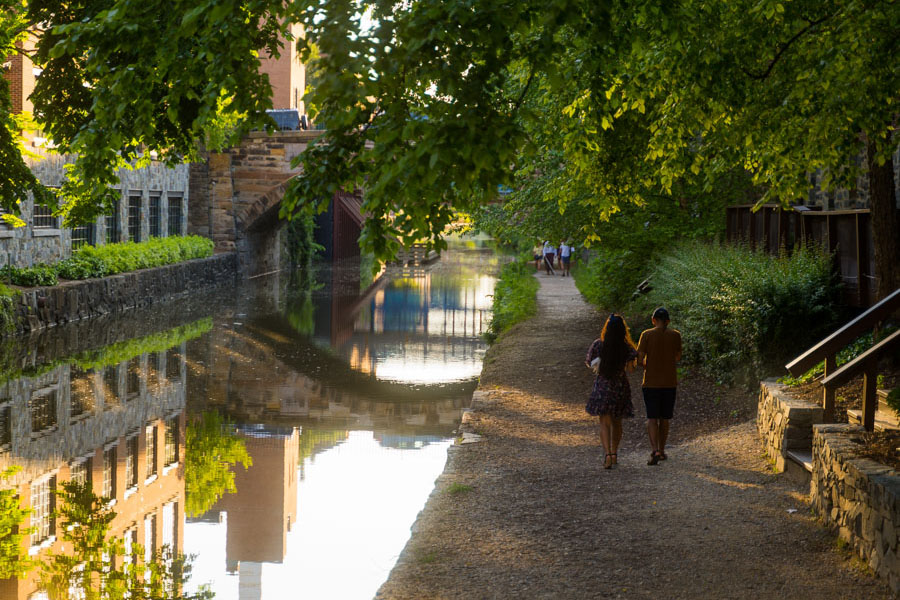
(610, 276)
(7, 309)
(515, 298)
(39, 274)
(129, 256)
(81, 267)
(742, 312)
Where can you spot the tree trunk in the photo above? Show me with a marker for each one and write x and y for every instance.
(885, 222)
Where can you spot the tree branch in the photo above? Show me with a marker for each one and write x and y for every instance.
(524, 90)
(784, 47)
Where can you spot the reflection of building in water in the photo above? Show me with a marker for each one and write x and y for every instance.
(423, 328)
(260, 513)
(252, 374)
(120, 428)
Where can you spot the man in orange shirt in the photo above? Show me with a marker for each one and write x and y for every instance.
(659, 349)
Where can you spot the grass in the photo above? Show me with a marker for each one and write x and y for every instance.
(515, 298)
(458, 488)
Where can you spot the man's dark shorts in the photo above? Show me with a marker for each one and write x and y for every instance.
(565, 260)
(660, 402)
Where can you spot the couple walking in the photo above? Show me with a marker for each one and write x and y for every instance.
(612, 356)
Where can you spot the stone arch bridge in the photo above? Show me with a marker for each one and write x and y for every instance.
(236, 196)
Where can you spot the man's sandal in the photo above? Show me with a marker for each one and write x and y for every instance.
(662, 455)
(654, 458)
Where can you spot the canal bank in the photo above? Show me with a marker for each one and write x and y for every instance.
(527, 511)
(38, 308)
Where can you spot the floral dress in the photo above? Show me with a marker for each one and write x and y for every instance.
(610, 396)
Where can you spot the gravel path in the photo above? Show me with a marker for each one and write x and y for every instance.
(529, 512)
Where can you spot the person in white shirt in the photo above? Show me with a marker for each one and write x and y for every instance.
(565, 257)
(549, 256)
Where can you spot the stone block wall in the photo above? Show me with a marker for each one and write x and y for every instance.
(784, 422)
(859, 497)
(41, 307)
(26, 246)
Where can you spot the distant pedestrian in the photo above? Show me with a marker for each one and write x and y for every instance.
(565, 257)
(659, 350)
(538, 254)
(549, 256)
(610, 397)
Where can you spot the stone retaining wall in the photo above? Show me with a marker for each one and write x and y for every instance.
(859, 497)
(41, 307)
(784, 422)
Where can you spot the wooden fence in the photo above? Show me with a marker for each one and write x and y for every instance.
(845, 233)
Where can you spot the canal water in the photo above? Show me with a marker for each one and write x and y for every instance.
(285, 435)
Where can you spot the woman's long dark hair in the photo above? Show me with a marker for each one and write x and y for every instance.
(617, 346)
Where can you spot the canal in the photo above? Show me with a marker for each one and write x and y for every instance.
(286, 436)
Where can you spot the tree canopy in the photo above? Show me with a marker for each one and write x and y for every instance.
(431, 104)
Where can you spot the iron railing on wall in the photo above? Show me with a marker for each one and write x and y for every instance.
(847, 234)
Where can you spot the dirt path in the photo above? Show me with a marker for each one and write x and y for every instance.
(529, 512)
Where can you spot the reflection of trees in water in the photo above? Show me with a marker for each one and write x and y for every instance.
(100, 567)
(212, 448)
(314, 441)
(13, 562)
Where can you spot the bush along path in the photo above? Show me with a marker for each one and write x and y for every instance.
(527, 511)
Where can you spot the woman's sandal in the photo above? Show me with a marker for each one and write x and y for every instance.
(610, 461)
(654, 458)
(662, 455)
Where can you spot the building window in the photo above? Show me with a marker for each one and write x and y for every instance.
(154, 216)
(80, 472)
(5, 425)
(170, 525)
(84, 235)
(134, 218)
(149, 537)
(109, 473)
(130, 546)
(133, 378)
(151, 451)
(42, 510)
(43, 409)
(113, 225)
(171, 441)
(175, 214)
(43, 218)
(131, 457)
(154, 377)
(81, 397)
(111, 385)
(173, 364)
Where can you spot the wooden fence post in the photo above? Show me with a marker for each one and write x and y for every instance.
(870, 395)
(828, 403)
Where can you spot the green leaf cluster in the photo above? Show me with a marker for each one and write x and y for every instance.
(13, 562)
(515, 298)
(742, 312)
(851, 351)
(155, 252)
(39, 274)
(212, 449)
(96, 566)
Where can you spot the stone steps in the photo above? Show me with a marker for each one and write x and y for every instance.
(884, 420)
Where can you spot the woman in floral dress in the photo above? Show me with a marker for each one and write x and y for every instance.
(610, 397)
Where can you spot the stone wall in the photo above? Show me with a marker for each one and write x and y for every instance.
(166, 189)
(42, 307)
(784, 422)
(859, 497)
(848, 199)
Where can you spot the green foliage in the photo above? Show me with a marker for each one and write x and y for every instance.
(97, 567)
(458, 488)
(80, 266)
(515, 298)
(130, 256)
(7, 309)
(39, 274)
(301, 243)
(742, 312)
(854, 349)
(212, 449)
(893, 400)
(13, 563)
(112, 354)
(313, 441)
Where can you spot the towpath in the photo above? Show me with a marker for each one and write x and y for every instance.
(529, 512)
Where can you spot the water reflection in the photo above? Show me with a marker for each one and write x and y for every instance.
(111, 418)
(288, 437)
